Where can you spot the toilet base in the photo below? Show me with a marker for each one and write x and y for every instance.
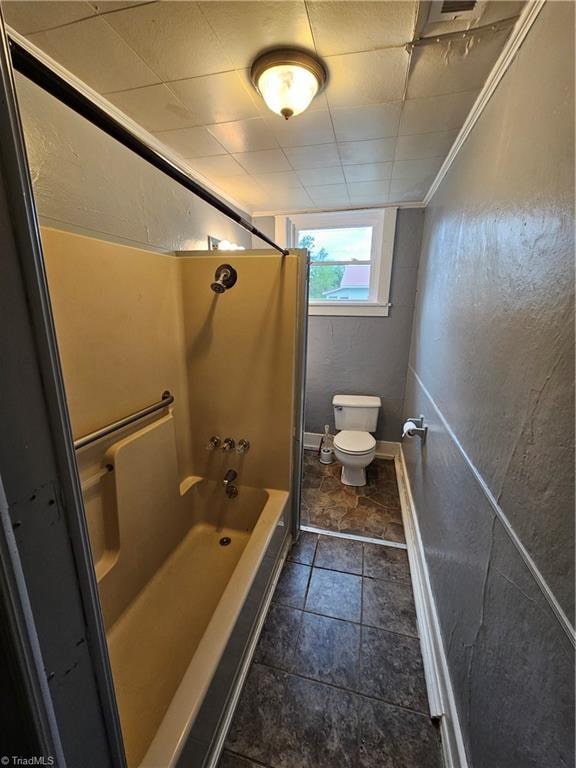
(353, 476)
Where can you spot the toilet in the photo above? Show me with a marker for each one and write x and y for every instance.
(354, 447)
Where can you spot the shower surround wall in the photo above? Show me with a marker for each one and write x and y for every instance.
(492, 370)
(367, 355)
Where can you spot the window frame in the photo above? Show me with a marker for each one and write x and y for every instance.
(383, 224)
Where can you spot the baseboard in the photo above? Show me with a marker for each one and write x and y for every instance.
(384, 448)
(438, 683)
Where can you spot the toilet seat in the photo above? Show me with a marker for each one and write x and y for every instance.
(354, 442)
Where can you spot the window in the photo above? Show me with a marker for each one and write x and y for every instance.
(350, 260)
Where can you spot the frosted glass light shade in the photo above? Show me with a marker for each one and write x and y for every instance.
(288, 80)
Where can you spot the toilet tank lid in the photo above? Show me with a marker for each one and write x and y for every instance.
(356, 401)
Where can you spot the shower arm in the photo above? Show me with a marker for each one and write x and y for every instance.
(25, 62)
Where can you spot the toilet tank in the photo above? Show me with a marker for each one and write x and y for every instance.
(356, 412)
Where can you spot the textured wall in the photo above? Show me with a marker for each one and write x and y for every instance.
(492, 369)
(367, 355)
(85, 180)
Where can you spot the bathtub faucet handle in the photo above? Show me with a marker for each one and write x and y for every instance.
(243, 446)
(228, 444)
(213, 443)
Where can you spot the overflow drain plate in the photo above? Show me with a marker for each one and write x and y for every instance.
(225, 540)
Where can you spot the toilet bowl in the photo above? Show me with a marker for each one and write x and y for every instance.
(356, 417)
(355, 450)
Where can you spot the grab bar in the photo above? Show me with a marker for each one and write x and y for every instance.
(167, 399)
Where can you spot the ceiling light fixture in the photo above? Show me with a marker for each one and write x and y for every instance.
(288, 79)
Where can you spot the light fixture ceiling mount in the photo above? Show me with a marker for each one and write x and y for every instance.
(288, 79)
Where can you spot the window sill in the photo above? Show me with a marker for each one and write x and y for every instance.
(339, 309)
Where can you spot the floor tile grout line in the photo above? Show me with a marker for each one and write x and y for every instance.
(345, 690)
(258, 763)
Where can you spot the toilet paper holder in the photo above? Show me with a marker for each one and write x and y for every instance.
(414, 427)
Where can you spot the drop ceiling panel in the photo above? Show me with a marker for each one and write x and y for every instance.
(368, 172)
(316, 177)
(173, 38)
(375, 151)
(31, 17)
(219, 98)
(155, 108)
(376, 134)
(247, 28)
(435, 113)
(219, 166)
(318, 156)
(244, 135)
(191, 142)
(378, 121)
(457, 65)
(424, 145)
(313, 127)
(265, 161)
(373, 77)
(345, 27)
(95, 54)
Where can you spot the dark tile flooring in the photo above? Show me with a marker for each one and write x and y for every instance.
(372, 510)
(337, 678)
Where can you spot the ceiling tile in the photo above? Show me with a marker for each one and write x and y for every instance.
(286, 199)
(95, 54)
(378, 121)
(454, 66)
(317, 156)
(317, 177)
(217, 166)
(424, 145)
(492, 11)
(220, 98)
(244, 189)
(264, 161)
(30, 17)
(369, 191)
(417, 170)
(408, 190)
(369, 172)
(173, 38)
(154, 108)
(367, 78)
(303, 130)
(247, 28)
(191, 142)
(244, 135)
(330, 194)
(105, 6)
(374, 151)
(342, 27)
(436, 113)
(281, 179)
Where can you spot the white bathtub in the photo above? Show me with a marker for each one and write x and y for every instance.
(165, 647)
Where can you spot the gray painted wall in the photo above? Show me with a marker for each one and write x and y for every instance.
(367, 355)
(86, 181)
(492, 348)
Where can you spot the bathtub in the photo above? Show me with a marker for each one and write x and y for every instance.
(166, 646)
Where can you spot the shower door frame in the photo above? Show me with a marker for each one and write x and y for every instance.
(53, 633)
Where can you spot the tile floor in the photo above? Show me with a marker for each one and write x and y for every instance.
(337, 678)
(372, 511)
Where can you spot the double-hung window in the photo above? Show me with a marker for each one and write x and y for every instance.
(350, 260)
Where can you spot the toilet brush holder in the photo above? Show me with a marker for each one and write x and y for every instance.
(326, 455)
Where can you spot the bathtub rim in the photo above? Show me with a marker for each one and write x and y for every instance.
(168, 742)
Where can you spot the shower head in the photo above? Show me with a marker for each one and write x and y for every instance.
(225, 277)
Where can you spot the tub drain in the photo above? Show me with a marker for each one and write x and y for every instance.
(225, 540)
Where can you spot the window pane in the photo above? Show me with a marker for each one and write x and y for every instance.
(342, 244)
(338, 282)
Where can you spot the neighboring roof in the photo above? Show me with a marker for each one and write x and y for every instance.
(356, 276)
